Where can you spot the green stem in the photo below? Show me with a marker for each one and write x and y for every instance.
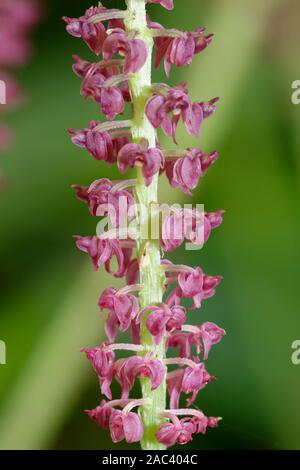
(151, 276)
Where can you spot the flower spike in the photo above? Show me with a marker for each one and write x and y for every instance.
(158, 296)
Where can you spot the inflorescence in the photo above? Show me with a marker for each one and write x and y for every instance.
(151, 303)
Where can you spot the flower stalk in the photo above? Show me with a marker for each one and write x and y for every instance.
(148, 250)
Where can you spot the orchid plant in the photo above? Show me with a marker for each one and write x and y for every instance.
(151, 303)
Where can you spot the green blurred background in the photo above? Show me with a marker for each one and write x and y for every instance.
(49, 291)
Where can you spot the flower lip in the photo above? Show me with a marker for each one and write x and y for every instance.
(125, 427)
(128, 369)
(134, 50)
(151, 160)
(123, 308)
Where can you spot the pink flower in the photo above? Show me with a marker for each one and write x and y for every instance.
(101, 414)
(213, 422)
(180, 49)
(197, 286)
(168, 4)
(95, 195)
(100, 145)
(173, 230)
(181, 433)
(191, 283)
(178, 318)
(207, 160)
(202, 423)
(165, 108)
(93, 34)
(207, 334)
(103, 362)
(211, 334)
(186, 171)
(164, 319)
(80, 66)
(21, 14)
(188, 224)
(184, 341)
(17, 17)
(110, 98)
(128, 369)
(156, 323)
(15, 50)
(134, 50)
(103, 199)
(209, 107)
(102, 251)
(194, 380)
(212, 220)
(126, 426)
(123, 308)
(188, 380)
(151, 160)
(94, 86)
